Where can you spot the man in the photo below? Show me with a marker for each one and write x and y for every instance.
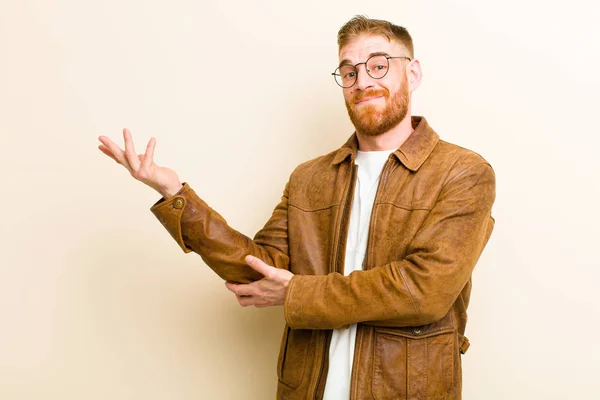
(370, 250)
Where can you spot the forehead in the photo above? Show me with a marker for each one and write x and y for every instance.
(360, 48)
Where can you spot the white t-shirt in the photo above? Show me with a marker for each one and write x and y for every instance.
(341, 350)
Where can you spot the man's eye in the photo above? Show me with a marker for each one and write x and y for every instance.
(379, 67)
(350, 75)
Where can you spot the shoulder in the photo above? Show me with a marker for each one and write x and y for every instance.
(456, 155)
(454, 158)
(315, 166)
(462, 165)
(450, 163)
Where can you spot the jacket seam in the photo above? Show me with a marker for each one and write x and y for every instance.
(435, 332)
(412, 297)
(287, 303)
(450, 179)
(407, 208)
(286, 384)
(315, 209)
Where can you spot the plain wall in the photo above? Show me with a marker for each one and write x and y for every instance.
(97, 301)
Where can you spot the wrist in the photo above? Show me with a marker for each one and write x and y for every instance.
(170, 191)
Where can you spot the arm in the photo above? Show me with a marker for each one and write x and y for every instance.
(197, 227)
(418, 289)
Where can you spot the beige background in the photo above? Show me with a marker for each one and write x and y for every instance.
(98, 302)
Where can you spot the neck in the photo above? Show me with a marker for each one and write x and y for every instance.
(390, 140)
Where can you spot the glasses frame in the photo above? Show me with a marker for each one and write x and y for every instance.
(388, 58)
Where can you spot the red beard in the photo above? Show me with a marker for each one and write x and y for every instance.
(371, 120)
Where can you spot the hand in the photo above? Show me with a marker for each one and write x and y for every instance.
(269, 291)
(142, 166)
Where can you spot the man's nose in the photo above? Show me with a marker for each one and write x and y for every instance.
(363, 79)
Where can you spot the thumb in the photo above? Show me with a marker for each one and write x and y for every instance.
(258, 265)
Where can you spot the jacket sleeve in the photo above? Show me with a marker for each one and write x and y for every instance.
(197, 227)
(418, 289)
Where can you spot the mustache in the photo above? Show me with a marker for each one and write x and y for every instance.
(371, 93)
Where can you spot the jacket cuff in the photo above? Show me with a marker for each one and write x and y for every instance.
(169, 211)
(292, 307)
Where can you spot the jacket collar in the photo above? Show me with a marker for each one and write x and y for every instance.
(413, 152)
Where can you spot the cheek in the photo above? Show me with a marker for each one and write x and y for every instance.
(347, 95)
(388, 84)
(393, 82)
(393, 89)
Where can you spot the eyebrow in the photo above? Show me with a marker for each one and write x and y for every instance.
(378, 53)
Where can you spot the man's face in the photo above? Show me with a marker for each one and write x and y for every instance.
(376, 105)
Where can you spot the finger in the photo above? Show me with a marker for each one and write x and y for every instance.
(231, 286)
(105, 140)
(149, 155)
(261, 305)
(259, 265)
(243, 290)
(246, 301)
(116, 151)
(106, 151)
(130, 153)
(111, 146)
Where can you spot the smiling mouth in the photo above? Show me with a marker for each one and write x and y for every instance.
(366, 99)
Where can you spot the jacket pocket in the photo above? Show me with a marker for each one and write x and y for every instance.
(292, 356)
(413, 364)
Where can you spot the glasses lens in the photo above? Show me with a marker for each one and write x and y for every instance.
(377, 66)
(345, 76)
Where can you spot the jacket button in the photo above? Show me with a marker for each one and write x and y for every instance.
(178, 203)
(416, 331)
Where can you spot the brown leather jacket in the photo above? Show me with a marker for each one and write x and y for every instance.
(430, 222)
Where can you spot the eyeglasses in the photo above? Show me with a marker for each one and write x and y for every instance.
(377, 67)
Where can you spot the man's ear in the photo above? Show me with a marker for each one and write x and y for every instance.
(414, 74)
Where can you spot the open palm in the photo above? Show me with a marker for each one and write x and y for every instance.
(142, 166)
